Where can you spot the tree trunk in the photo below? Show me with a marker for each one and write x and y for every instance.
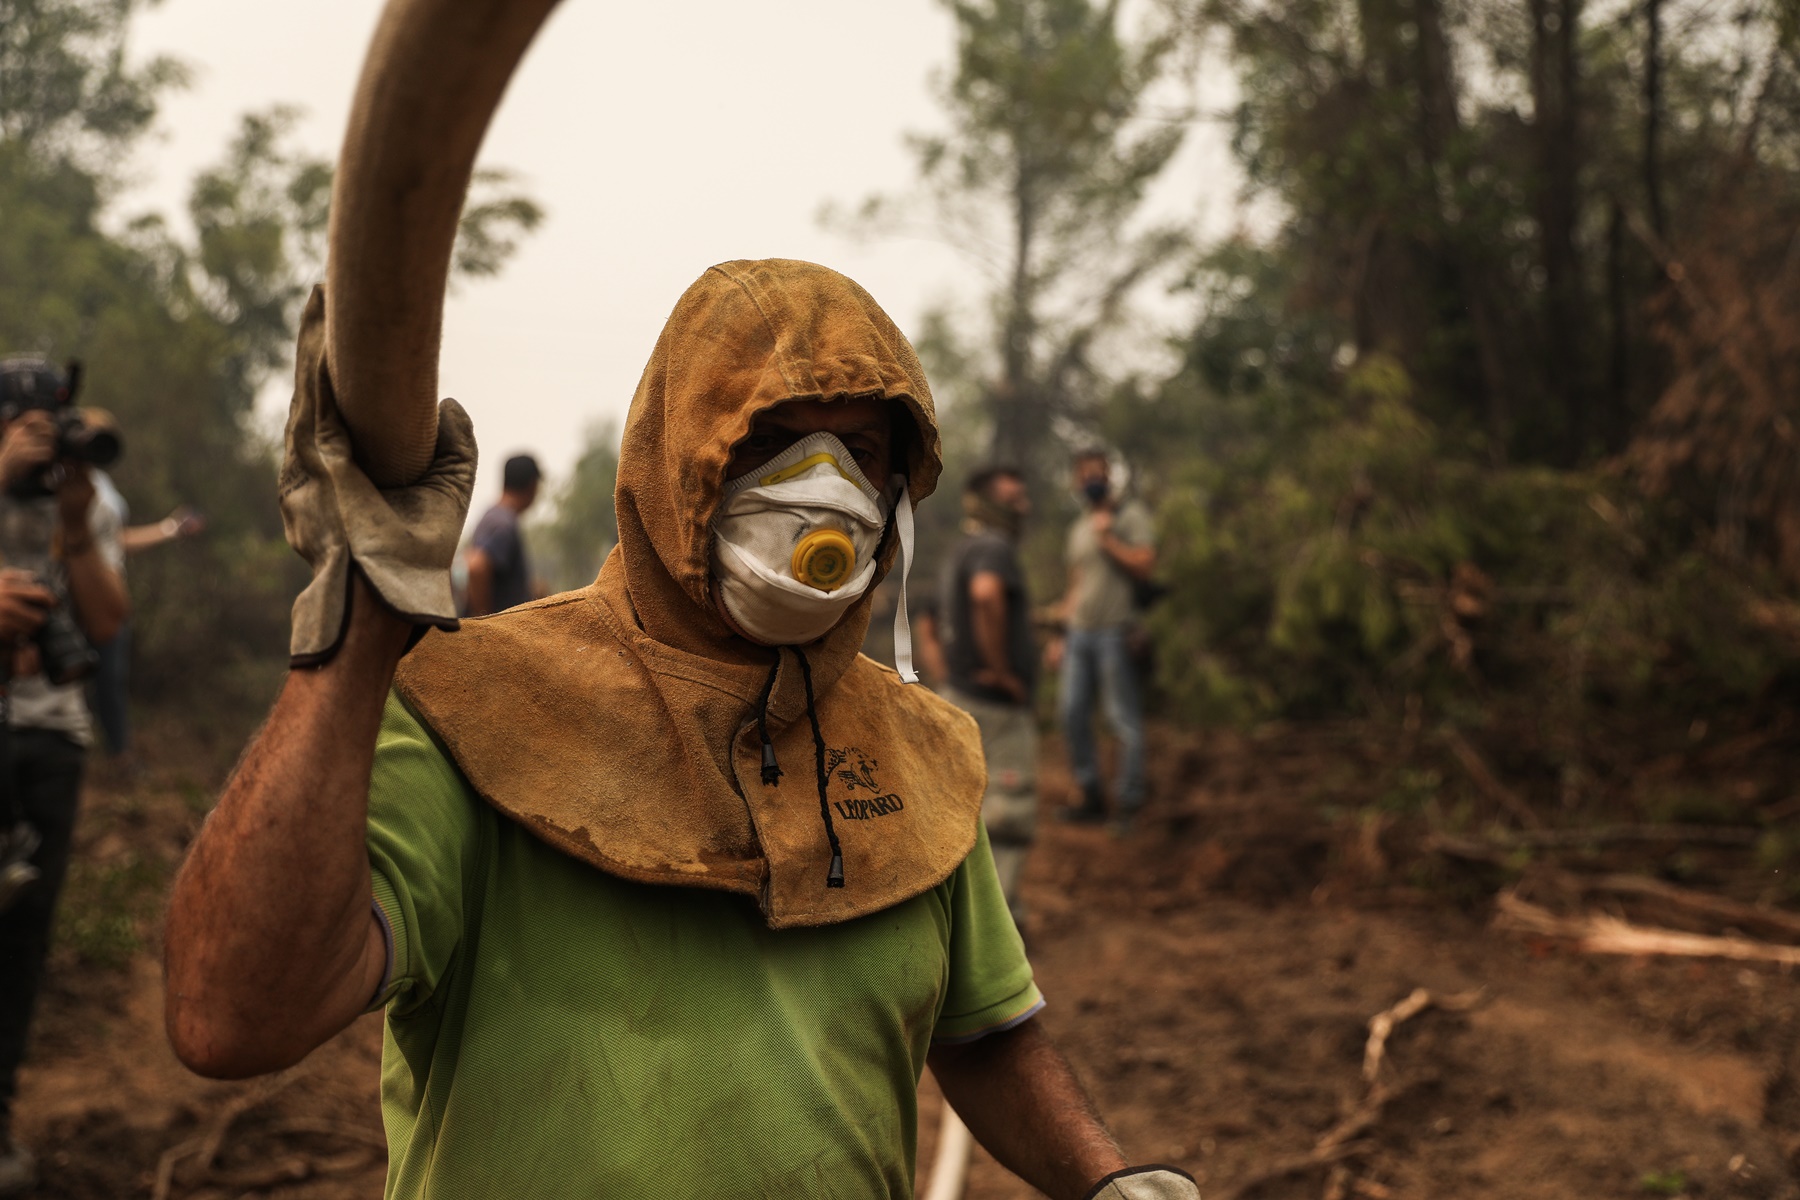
(1653, 190)
(1015, 423)
(1616, 421)
(1562, 432)
(1439, 124)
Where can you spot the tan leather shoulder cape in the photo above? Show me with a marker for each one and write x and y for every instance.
(620, 723)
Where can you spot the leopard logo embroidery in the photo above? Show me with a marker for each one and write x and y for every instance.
(856, 771)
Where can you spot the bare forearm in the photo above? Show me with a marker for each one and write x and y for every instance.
(145, 537)
(989, 622)
(1136, 561)
(98, 595)
(271, 947)
(1021, 1100)
(481, 585)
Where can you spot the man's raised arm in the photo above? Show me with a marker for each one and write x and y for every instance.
(272, 945)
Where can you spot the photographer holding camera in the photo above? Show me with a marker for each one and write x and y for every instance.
(62, 589)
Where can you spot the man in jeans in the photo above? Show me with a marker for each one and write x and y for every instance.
(46, 529)
(1109, 548)
(985, 619)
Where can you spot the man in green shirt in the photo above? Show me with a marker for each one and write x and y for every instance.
(663, 888)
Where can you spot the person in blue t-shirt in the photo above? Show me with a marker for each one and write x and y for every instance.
(499, 569)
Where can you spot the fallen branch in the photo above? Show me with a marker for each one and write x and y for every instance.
(1489, 783)
(1697, 835)
(1345, 1140)
(1497, 847)
(205, 1148)
(1600, 934)
(1382, 1024)
(1704, 904)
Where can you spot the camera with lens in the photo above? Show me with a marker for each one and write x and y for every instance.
(29, 383)
(28, 519)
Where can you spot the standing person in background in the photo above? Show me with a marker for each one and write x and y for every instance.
(499, 571)
(984, 621)
(1110, 548)
(107, 689)
(47, 528)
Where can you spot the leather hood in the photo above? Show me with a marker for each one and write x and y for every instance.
(620, 722)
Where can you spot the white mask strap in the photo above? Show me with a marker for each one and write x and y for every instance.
(903, 522)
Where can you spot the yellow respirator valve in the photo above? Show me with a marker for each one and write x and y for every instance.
(824, 559)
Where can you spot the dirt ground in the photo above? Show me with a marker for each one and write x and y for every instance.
(1212, 976)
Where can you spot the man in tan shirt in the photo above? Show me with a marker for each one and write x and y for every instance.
(1109, 548)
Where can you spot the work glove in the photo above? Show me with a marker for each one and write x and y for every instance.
(1146, 1183)
(401, 539)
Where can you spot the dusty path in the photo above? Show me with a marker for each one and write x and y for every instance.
(1212, 977)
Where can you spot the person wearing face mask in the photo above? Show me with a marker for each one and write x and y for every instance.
(662, 887)
(1110, 546)
(991, 660)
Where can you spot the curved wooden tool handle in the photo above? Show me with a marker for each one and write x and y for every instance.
(434, 74)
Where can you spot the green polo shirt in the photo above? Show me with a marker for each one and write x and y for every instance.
(553, 1031)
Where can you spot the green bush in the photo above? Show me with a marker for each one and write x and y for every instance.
(1367, 558)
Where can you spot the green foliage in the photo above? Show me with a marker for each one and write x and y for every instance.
(1483, 188)
(177, 338)
(494, 219)
(65, 91)
(1043, 167)
(1363, 556)
(261, 217)
(568, 546)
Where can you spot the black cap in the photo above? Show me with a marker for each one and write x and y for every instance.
(520, 472)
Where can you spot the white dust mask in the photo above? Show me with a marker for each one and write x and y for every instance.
(795, 541)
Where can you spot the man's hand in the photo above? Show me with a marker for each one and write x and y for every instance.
(1102, 521)
(28, 446)
(1147, 1183)
(185, 521)
(74, 501)
(1139, 562)
(23, 603)
(403, 539)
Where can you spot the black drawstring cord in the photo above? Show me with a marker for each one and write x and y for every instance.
(771, 772)
(834, 878)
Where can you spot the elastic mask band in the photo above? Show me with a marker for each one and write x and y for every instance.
(903, 521)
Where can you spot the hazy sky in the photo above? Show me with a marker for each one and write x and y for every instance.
(661, 138)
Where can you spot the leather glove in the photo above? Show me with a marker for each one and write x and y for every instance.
(1146, 1183)
(401, 539)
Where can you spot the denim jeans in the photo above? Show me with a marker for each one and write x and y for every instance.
(106, 692)
(1097, 665)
